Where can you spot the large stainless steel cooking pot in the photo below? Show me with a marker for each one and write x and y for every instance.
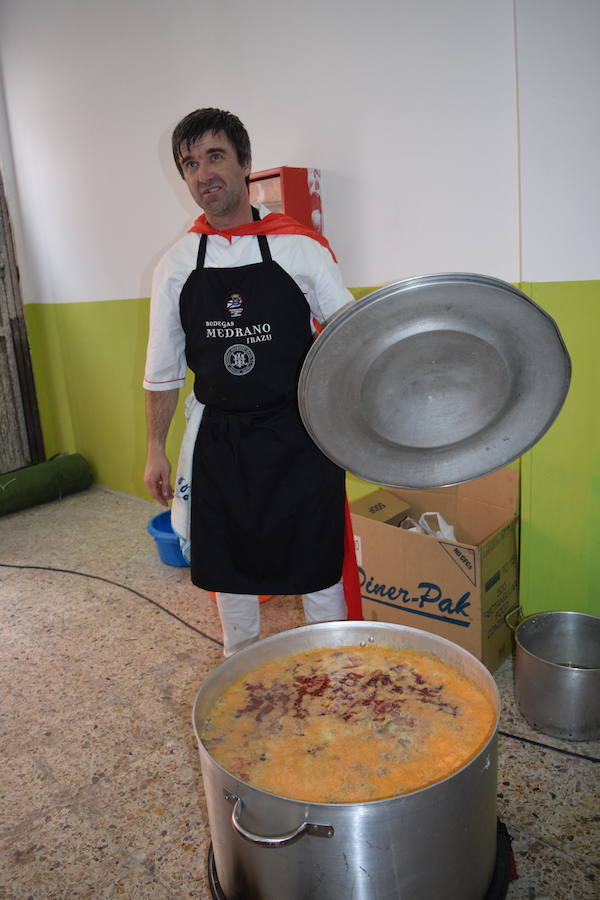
(437, 842)
(557, 674)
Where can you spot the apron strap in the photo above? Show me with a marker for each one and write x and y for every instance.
(201, 251)
(262, 239)
(264, 248)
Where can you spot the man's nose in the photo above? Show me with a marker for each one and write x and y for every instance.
(203, 171)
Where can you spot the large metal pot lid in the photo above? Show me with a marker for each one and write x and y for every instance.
(434, 381)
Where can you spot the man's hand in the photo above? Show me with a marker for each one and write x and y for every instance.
(157, 477)
(160, 406)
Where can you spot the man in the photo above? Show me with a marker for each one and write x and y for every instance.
(233, 300)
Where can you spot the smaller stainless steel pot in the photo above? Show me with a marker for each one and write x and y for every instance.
(557, 674)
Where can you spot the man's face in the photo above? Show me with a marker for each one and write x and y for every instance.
(216, 180)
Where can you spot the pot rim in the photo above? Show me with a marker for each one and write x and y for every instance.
(549, 614)
(380, 626)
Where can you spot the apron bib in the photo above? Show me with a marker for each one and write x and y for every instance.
(267, 513)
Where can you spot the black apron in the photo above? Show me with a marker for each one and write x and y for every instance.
(267, 512)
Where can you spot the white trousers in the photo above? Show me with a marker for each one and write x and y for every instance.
(240, 614)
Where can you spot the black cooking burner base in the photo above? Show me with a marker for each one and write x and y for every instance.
(504, 871)
(213, 882)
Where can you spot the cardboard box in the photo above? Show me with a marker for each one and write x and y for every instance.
(459, 589)
(382, 506)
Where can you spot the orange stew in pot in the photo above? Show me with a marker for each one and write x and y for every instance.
(347, 725)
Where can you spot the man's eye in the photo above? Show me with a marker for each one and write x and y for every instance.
(215, 156)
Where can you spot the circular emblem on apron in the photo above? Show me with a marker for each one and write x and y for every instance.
(239, 359)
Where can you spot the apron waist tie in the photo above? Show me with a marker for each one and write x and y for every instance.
(259, 410)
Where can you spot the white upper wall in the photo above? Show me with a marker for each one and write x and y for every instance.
(407, 107)
(559, 100)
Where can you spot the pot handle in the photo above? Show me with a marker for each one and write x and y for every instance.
(279, 840)
(510, 613)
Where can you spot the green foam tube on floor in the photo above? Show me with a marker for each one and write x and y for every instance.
(63, 474)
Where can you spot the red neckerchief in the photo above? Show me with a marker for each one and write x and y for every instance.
(273, 223)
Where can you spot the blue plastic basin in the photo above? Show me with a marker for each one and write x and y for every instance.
(167, 542)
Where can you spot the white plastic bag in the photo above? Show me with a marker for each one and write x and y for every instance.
(409, 524)
(436, 526)
(180, 508)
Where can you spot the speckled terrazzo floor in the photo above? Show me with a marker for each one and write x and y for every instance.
(103, 649)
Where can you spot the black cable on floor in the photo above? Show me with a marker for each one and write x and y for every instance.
(525, 740)
(125, 588)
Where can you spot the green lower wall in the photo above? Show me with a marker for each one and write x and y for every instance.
(88, 361)
(560, 476)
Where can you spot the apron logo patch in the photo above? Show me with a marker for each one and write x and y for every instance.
(239, 359)
(234, 305)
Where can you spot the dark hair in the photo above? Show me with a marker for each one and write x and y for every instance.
(197, 123)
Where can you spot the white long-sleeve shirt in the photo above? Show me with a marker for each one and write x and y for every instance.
(309, 263)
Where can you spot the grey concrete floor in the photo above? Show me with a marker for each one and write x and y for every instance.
(103, 648)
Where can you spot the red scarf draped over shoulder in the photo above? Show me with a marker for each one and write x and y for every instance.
(273, 223)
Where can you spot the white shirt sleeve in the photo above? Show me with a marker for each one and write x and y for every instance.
(165, 356)
(331, 293)
(314, 270)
